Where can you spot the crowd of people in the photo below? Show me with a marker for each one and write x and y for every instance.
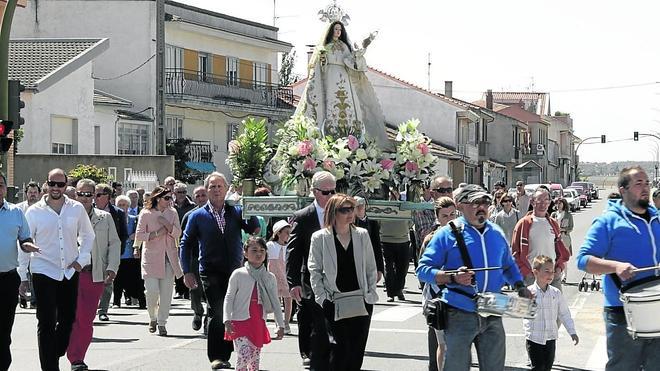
(69, 252)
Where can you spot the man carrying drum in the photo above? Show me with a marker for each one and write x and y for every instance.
(623, 238)
(486, 247)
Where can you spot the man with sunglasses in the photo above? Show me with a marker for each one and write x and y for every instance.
(486, 247)
(62, 231)
(102, 202)
(312, 333)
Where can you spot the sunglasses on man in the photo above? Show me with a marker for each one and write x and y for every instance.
(326, 192)
(84, 194)
(443, 190)
(52, 183)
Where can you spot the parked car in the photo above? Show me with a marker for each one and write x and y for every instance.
(594, 191)
(556, 191)
(584, 200)
(573, 199)
(587, 189)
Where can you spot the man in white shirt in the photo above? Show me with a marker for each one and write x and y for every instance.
(63, 232)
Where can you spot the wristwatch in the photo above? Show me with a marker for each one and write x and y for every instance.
(452, 277)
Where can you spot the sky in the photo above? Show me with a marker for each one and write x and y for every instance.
(599, 60)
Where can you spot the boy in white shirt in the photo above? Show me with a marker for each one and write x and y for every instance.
(551, 308)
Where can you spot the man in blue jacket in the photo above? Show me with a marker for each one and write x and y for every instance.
(216, 230)
(626, 236)
(487, 247)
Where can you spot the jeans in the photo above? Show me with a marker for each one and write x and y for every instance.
(625, 353)
(487, 334)
(9, 282)
(89, 293)
(215, 288)
(56, 313)
(397, 257)
(542, 356)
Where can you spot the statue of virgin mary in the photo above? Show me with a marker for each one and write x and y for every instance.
(338, 95)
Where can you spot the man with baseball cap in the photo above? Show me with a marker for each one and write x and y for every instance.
(486, 246)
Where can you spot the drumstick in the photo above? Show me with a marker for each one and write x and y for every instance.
(473, 270)
(646, 269)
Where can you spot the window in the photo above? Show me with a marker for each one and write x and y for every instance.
(173, 57)
(260, 74)
(112, 173)
(127, 174)
(133, 139)
(62, 148)
(97, 140)
(232, 71)
(174, 127)
(204, 67)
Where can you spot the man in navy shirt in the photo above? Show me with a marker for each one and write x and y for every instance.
(216, 230)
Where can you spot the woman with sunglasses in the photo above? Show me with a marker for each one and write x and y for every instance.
(343, 277)
(158, 227)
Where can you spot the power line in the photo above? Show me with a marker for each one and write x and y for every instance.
(124, 74)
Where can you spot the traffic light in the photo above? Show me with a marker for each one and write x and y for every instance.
(636, 136)
(15, 103)
(602, 139)
(5, 129)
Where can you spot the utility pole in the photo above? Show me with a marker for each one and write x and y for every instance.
(160, 77)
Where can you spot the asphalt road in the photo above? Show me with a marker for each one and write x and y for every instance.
(397, 339)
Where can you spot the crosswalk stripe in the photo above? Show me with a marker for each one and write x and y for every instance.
(397, 314)
(598, 357)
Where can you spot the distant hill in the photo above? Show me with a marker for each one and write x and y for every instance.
(602, 169)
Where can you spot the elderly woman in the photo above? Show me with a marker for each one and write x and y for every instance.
(93, 277)
(343, 277)
(158, 227)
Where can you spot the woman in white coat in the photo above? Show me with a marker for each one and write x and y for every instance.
(343, 278)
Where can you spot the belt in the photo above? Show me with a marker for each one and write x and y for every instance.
(8, 273)
(613, 309)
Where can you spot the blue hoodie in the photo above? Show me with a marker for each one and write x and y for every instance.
(621, 235)
(489, 249)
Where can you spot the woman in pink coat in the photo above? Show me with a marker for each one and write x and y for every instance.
(158, 227)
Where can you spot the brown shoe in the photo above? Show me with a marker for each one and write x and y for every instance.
(152, 326)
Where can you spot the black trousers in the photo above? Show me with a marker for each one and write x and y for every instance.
(215, 288)
(542, 356)
(129, 280)
(55, 315)
(9, 282)
(196, 294)
(397, 257)
(348, 338)
(433, 349)
(313, 334)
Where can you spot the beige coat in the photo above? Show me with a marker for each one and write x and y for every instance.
(165, 244)
(322, 264)
(107, 246)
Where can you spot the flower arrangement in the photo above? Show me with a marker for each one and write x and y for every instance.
(413, 161)
(303, 153)
(358, 166)
(248, 154)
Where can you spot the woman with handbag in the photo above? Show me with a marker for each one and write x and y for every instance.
(343, 277)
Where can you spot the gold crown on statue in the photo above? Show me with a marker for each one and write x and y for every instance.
(334, 12)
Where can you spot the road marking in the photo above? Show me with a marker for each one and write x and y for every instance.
(578, 303)
(598, 357)
(397, 314)
(145, 355)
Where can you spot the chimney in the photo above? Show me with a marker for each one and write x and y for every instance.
(448, 89)
(489, 99)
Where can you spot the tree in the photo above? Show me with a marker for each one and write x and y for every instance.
(287, 77)
(81, 171)
(179, 149)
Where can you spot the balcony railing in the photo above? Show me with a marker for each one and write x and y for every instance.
(223, 88)
(197, 150)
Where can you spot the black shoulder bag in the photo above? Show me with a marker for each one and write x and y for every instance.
(435, 310)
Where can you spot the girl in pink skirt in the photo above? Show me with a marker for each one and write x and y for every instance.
(251, 295)
(277, 266)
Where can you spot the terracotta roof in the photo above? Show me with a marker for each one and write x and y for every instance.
(542, 100)
(30, 60)
(520, 114)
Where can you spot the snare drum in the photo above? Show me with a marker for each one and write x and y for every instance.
(492, 303)
(641, 304)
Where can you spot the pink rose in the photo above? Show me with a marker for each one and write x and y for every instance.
(387, 164)
(423, 148)
(411, 166)
(328, 165)
(309, 164)
(353, 143)
(305, 147)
